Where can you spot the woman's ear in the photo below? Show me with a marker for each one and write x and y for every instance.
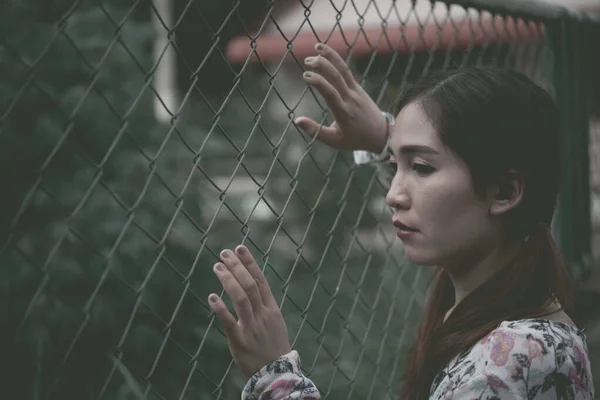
(508, 193)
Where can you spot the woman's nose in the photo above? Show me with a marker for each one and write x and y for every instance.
(397, 197)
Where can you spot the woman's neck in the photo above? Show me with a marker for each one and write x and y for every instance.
(469, 277)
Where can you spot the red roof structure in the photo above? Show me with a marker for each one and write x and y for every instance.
(381, 26)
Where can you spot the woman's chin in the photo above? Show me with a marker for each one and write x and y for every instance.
(421, 258)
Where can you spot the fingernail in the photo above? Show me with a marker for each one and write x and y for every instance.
(308, 74)
(309, 60)
(319, 47)
(213, 298)
(226, 253)
(241, 250)
(219, 267)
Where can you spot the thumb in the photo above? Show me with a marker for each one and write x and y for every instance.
(329, 135)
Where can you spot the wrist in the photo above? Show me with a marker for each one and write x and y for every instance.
(381, 149)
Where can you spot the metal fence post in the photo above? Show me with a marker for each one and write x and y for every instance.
(573, 220)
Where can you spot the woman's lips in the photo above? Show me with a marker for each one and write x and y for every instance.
(405, 234)
(404, 231)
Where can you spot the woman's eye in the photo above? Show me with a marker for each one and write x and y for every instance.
(422, 169)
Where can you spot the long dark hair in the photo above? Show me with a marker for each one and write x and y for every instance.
(496, 121)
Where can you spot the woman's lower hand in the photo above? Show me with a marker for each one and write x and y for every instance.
(260, 335)
(359, 124)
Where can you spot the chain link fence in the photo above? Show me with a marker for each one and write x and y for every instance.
(138, 139)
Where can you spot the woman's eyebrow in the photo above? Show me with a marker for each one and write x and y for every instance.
(414, 148)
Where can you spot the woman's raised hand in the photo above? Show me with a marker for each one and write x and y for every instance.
(359, 124)
(260, 335)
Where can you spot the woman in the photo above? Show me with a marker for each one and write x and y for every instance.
(475, 180)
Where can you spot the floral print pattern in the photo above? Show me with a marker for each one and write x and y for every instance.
(525, 359)
(501, 345)
(279, 380)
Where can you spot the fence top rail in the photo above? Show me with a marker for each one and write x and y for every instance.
(535, 9)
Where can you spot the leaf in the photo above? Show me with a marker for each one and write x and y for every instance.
(523, 360)
(538, 327)
(549, 382)
(564, 387)
(550, 340)
(470, 370)
(560, 355)
(533, 391)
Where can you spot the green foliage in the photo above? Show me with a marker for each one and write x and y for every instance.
(90, 286)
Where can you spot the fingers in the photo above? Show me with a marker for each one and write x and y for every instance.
(338, 63)
(327, 90)
(327, 134)
(238, 296)
(245, 279)
(263, 286)
(230, 326)
(324, 68)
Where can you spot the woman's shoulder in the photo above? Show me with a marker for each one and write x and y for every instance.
(535, 344)
(551, 331)
(529, 357)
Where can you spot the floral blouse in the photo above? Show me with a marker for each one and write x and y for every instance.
(525, 359)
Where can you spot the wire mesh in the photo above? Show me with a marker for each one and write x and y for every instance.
(139, 139)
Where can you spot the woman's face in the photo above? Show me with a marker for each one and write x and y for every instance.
(441, 220)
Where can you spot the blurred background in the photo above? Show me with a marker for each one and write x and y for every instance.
(139, 138)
